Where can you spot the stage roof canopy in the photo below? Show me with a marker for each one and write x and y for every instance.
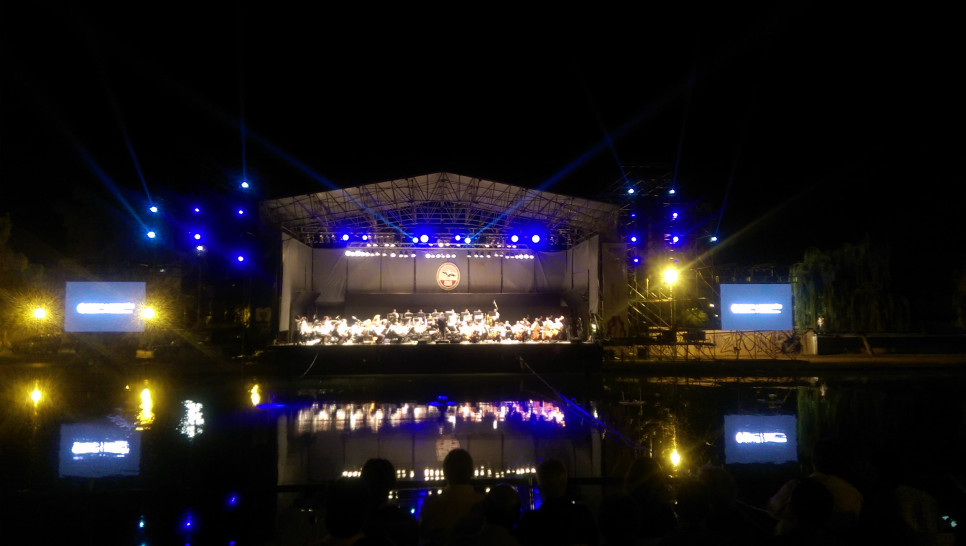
(447, 204)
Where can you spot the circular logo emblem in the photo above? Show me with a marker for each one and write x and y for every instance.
(448, 276)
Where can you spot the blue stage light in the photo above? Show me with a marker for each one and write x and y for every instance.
(240, 258)
(674, 216)
(514, 238)
(244, 184)
(458, 237)
(197, 236)
(630, 191)
(633, 238)
(365, 237)
(241, 212)
(152, 235)
(424, 238)
(153, 208)
(535, 238)
(415, 239)
(671, 191)
(714, 239)
(633, 215)
(345, 236)
(636, 260)
(197, 209)
(674, 239)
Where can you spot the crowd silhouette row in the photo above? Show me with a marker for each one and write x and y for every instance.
(819, 508)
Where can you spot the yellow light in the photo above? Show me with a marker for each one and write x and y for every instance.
(256, 397)
(40, 313)
(148, 313)
(36, 396)
(146, 414)
(675, 458)
(670, 275)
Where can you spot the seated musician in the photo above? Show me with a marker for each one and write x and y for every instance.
(398, 333)
(393, 317)
(377, 332)
(408, 315)
(328, 330)
(343, 331)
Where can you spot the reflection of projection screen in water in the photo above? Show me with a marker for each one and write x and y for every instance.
(104, 307)
(755, 307)
(760, 439)
(98, 449)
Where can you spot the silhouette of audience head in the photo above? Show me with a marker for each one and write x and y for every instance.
(458, 466)
(346, 508)
(379, 475)
(502, 506)
(552, 479)
(719, 483)
(645, 476)
(809, 508)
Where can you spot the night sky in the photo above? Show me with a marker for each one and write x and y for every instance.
(796, 124)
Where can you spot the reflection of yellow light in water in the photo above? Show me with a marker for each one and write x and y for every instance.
(146, 414)
(256, 396)
(675, 458)
(36, 395)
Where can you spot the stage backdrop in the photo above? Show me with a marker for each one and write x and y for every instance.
(325, 281)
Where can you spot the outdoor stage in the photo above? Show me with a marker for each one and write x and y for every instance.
(315, 361)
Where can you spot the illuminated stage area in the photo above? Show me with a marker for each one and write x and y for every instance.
(301, 361)
(443, 258)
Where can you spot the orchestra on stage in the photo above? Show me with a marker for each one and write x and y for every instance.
(429, 327)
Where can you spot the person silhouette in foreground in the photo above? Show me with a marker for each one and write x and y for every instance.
(452, 512)
(345, 510)
(559, 520)
(830, 463)
(647, 483)
(383, 518)
(501, 511)
(808, 517)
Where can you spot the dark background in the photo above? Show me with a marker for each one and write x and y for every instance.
(796, 124)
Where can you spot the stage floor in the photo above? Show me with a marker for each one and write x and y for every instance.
(300, 361)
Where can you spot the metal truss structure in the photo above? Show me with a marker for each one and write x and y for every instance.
(448, 204)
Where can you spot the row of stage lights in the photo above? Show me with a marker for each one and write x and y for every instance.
(671, 240)
(424, 239)
(197, 238)
(439, 255)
